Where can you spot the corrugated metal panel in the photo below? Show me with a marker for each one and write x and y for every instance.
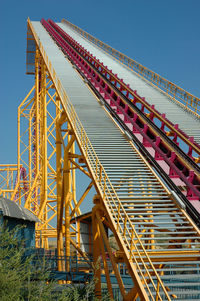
(12, 209)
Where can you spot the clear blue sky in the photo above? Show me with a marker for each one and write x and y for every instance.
(163, 35)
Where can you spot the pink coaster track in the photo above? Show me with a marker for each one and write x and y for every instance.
(165, 151)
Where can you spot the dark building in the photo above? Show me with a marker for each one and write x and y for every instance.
(12, 215)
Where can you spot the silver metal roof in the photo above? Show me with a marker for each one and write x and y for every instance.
(11, 209)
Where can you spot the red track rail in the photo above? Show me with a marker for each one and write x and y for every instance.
(165, 125)
(131, 115)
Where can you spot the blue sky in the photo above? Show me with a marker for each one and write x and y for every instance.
(162, 35)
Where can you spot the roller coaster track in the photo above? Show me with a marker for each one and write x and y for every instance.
(157, 239)
(154, 138)
(132, 96)
(189, 101)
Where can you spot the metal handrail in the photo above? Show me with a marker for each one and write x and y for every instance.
(191, 102)
(106, 188)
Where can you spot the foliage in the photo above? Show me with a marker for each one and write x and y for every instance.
(23, 280)
(20, 279)
(113, 243)
(83, 293)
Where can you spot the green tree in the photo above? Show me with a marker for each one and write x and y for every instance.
(21, 280)
(84, 293)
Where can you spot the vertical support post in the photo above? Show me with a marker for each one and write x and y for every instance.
(109, 285)
(74, 181)
(115, 268)
(30, 151)
(36, 131)
(18, 147)
(78, 234)
(37, 113)
(44, 145)
(67, 196)
(59, 187)
(96, 254)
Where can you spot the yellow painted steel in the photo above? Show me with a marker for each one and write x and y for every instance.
(48, 130)
(59, 189)
(96, 255)
(8, 175)
(40, 143)
(134, 253)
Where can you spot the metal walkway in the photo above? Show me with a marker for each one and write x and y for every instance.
(188, 122)
(158, 238)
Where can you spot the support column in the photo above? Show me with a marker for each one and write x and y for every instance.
(96, 254)
(74, 181)
(18, 153)
(36, 134)
(59, 187)
(29, 176)
(37, 116)
(44, 187)
(67, 196)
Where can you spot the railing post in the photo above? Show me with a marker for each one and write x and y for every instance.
(104, 187)
(118, 212)
(157, 292)
(131, 246)
(125, 221)
(100, 173)
(96, 168)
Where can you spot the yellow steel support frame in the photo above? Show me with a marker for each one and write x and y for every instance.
(47, 135)
(40, 152)
(52, 184)
(47, 152)
(100, 239)
(67, 205)
(8, 176)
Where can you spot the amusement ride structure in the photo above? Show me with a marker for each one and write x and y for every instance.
(136, 137)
